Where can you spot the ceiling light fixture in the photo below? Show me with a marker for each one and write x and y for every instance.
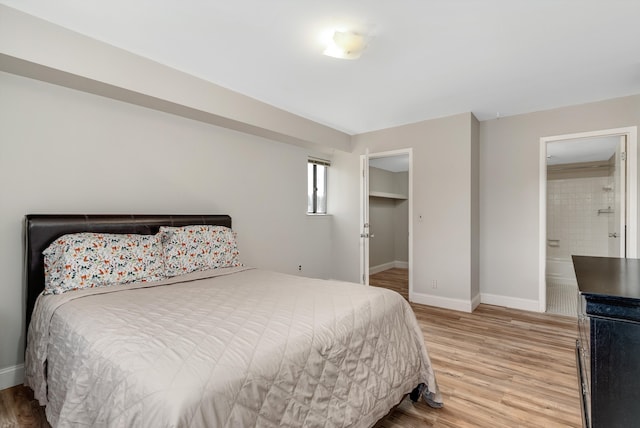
(345, 45)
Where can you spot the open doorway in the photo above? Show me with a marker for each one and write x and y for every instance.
(387, 206)
(589, 202)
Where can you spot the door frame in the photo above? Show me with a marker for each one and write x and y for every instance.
(364, 254)
(631, 198)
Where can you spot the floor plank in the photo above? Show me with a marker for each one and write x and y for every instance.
(496, 367)
(395, 279)
(18, 408)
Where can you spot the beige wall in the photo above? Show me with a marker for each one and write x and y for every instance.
(65, 151)
(477, 187)
(388, 218)
(475, 184)
(133, 157)
(401, 217)
(442, 195)
(382, 248)
(35, 48)
(475, 208)
(509, 189)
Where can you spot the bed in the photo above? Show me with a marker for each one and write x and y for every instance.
(225, 347)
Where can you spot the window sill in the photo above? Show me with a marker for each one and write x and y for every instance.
(318, 215)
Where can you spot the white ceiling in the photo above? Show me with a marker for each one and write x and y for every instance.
(424, 58)
(396, 163)
(582, 150)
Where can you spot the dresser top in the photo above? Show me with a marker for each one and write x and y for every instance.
(608, 276)
(609, 284)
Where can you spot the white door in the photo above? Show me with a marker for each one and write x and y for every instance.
(617, 220)
(364, 218)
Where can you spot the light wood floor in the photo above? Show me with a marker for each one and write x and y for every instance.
(19, 409)
(395, 279)
(496, 368)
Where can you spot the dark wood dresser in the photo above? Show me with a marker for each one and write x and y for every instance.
(608, 345)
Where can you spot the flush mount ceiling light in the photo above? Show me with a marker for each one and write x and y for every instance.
(345, 45)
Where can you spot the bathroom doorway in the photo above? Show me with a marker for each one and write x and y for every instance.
(589, 208)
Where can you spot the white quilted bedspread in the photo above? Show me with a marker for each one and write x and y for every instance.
(233, 347)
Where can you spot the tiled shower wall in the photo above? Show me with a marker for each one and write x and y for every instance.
(574, 226)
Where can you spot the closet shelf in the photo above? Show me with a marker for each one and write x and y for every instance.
(387, 195)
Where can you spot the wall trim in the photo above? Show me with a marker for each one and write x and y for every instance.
(475, 302)
(442, 302)
(11, 376)
(401, 265)
(389, 265)
(510, 302)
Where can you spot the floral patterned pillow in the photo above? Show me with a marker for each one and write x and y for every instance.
(87, 260)
(193, 248)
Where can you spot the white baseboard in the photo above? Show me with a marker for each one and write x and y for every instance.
(475, 302)
(510, 302)
(442, 302)
(469, 306)
(11, 376)
(401, 265)
(389, 265)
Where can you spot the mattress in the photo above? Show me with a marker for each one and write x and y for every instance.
(226, 348)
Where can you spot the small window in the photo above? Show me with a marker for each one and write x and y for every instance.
(317, 170)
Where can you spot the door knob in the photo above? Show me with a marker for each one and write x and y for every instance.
(613, 235)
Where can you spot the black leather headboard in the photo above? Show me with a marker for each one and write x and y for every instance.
(42, 230)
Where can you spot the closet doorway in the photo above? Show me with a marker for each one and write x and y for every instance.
(386, 222)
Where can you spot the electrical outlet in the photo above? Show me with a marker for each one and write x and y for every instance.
(434, 283)
(300, 267)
